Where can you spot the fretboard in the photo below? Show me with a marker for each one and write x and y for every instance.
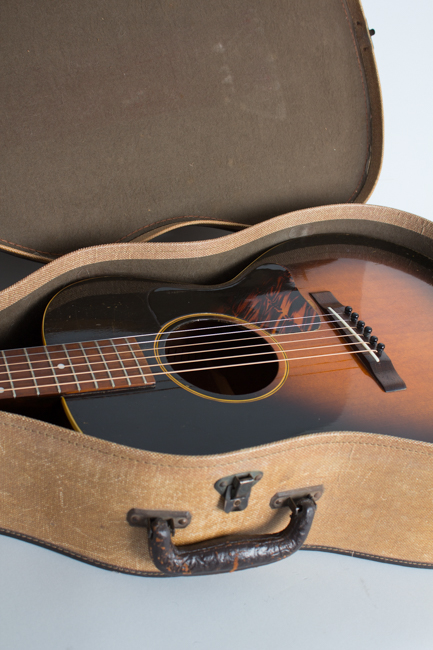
(73, 368)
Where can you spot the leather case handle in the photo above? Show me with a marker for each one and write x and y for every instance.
(223, 555)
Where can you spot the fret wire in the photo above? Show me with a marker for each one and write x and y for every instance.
(33, 374)
(136, 361)
(90, 367)
(72, 365)
(121, 362)
(105, 364)
(52, 368)
(9, 374)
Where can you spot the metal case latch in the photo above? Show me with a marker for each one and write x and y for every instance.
(236, 490)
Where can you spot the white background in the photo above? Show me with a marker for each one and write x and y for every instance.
(312, 600)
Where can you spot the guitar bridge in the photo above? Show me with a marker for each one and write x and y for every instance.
(357, 335)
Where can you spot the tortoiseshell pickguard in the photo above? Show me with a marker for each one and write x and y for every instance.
(275, 302)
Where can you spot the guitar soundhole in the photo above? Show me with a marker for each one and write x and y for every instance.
(222, 357)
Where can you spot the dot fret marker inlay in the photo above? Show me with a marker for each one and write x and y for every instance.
(61, 366)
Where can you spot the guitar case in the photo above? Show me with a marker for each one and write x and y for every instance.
(125, 125)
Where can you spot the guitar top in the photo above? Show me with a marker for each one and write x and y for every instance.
(327, 337)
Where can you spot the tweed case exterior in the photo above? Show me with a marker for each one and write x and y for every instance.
(71, 492)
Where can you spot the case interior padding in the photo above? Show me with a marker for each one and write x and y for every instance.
(118, 117)
(71, 492)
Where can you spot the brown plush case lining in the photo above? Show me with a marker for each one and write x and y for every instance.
(123, 117)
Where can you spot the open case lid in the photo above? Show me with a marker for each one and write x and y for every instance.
(120, 117)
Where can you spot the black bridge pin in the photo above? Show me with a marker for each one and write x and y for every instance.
(360, 326)
(373, 342)
(367, 331)
(380, 348)
(354, 317)
(348, 310)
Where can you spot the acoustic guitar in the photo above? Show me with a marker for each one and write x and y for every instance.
(326, 335)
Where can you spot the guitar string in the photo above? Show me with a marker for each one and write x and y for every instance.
(225, 325)
(79, 374)
(172, 363)
(171, 354)
(136, 337)
(135, 362)
(135, 359)
(115, 348)
(167, 373)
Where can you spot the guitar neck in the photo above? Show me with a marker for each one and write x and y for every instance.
(73, 368)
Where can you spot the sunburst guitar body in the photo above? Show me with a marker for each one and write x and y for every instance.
(292, 345)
